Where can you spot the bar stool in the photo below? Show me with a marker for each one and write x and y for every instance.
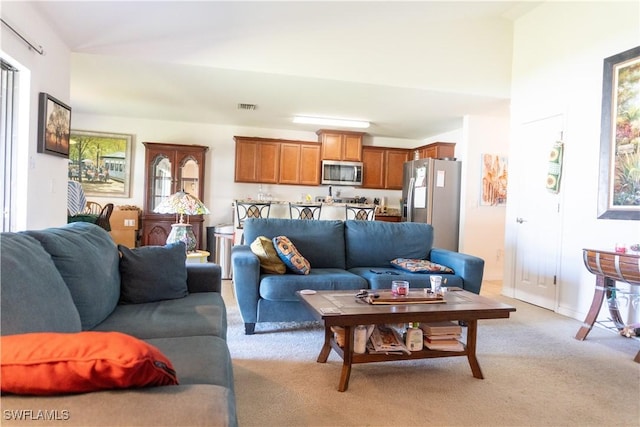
(305, 210)
(360, 212)
(250, 209)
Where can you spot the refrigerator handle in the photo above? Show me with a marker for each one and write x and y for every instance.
(412, 183)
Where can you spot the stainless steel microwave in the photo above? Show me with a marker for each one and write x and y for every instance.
(336, 172)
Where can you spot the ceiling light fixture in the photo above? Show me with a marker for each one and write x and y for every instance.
(331, 122)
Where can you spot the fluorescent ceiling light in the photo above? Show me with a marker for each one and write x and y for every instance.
(331, 122)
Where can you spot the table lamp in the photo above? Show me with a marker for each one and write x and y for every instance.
(181, 204)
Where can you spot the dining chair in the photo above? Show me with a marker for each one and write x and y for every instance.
(93, 208)
(360, 212)
(104, 216)
(305, 210)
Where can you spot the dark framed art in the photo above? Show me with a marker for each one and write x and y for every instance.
(101, 162)
(619, 183)
(54, 126)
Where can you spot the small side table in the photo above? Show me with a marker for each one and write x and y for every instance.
(197, 257)
(608, 267)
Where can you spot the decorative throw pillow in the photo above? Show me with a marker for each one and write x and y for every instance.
(153, 273)
(270, 262)
(290, 255)
(47, 363)
(419, 266)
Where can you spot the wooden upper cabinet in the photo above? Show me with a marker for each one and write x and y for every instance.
(382, 167)
(341, 145)
(277, 161)
(299, 163)
(437, 150)
(373, 167)
(394, 161)
(257, 160)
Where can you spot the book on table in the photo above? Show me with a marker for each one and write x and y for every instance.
(444, 345)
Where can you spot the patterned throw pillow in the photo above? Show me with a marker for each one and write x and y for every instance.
(419, 266)
(270, 262)
(290, 255)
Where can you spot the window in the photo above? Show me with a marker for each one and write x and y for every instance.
(8, 126)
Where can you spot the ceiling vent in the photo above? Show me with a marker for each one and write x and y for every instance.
(247, 106)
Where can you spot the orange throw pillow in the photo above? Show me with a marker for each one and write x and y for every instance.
(50, 363)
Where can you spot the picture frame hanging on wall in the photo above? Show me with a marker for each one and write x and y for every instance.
(619, 175)
(101, 162)
(54, 126)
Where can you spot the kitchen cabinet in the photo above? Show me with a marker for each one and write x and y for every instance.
(277, 161)
(382, 167)
(257, 160)
(436, 150)
(168, 169)
(341, 145)
(299, 163)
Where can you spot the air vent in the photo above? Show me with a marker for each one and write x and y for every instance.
(247, 106)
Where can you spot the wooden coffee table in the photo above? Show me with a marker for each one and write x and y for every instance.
(341, 308)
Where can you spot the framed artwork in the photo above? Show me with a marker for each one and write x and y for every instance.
(494, 180)
(101, 162)
(54, 126)
(619, 183)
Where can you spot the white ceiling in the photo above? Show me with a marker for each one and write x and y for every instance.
(413, 69)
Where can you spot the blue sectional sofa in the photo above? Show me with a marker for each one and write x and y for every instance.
(70, 282)
(344, 255)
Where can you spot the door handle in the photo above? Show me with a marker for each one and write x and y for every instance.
(520, 220)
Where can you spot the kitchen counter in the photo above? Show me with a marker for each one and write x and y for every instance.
(330, 210)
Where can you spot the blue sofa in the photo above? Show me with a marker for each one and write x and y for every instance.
(344, 255)
(71, 279)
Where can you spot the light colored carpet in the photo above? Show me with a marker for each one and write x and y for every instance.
(536, 374)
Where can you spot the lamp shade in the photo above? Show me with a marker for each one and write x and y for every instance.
(182, 203)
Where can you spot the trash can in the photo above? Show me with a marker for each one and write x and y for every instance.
(224, 241)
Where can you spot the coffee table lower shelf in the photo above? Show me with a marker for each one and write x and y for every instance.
(349, 358)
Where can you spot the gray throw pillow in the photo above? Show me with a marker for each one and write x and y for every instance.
(153, 273)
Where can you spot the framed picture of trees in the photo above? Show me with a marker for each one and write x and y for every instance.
(54, 125)
(619, 184)
(101, 162)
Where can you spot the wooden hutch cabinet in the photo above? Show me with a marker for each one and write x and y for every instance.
(168, 169)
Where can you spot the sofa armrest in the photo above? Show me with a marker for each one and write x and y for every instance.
(204, 277)
(469, 267)
(246, 281)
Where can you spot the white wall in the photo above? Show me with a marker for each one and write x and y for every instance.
(42, 179)
(558, 58)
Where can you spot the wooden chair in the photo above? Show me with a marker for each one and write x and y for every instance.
(305, 210)
(93, 208)
(104, 216)
(360, 212)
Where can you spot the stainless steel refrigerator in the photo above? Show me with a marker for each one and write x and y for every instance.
(431, 194)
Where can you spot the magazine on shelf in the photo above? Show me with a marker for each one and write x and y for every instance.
(386, 339)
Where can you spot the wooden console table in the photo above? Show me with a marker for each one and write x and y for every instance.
(608, 267)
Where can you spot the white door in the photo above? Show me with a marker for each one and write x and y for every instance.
(538, 216)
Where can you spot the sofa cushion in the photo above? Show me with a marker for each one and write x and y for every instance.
(291, 257)
(34, 297)
(87, 258)
(321, 242)
(376, 243)
(416, 280)
(153, 273)
(52, 363)
(419, 266)
(284, 287)
(270, 261)
(201, 313)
